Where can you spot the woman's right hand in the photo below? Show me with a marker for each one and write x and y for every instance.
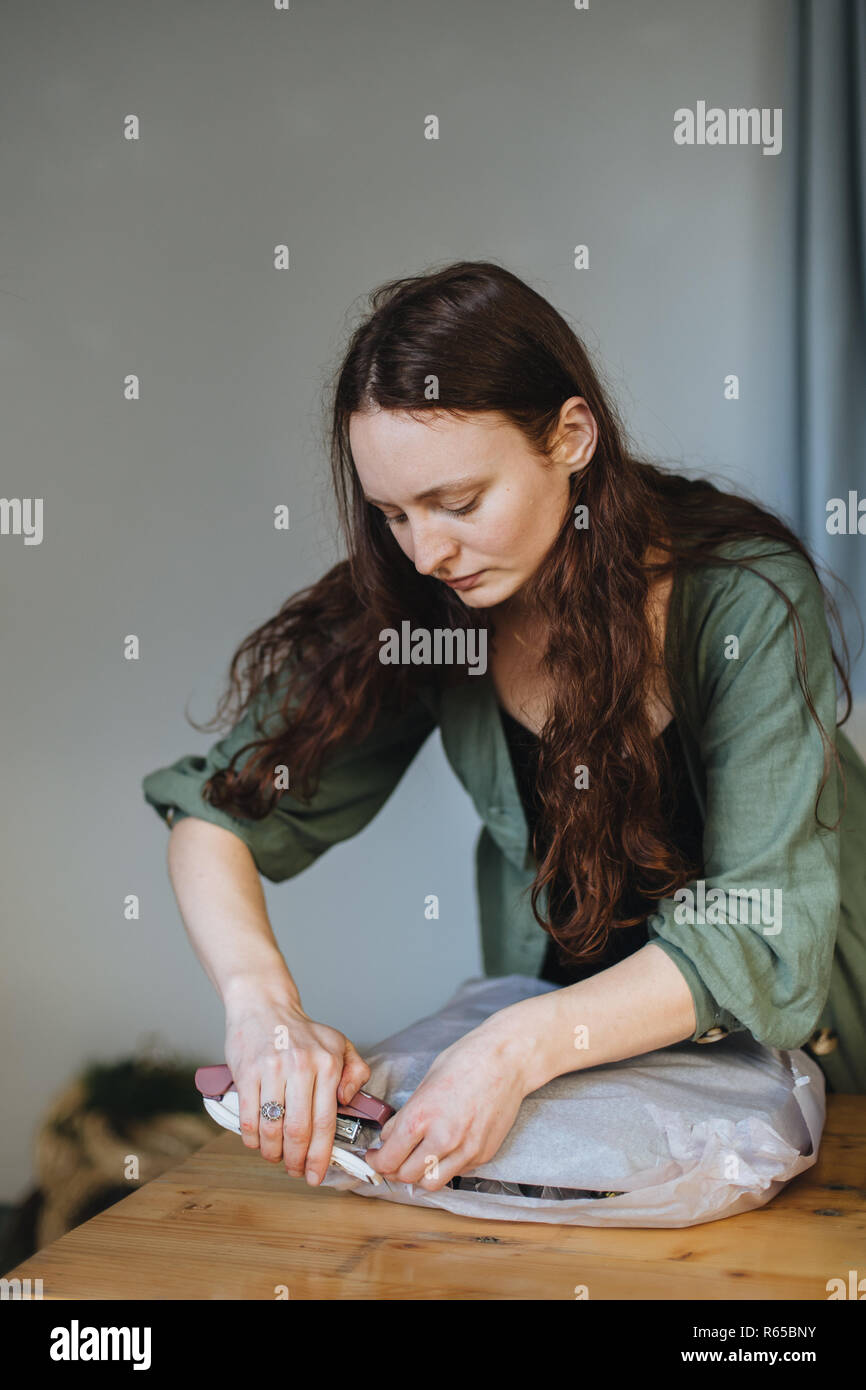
(276, 1052)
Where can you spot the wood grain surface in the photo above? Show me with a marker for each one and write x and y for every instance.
(225, 1224)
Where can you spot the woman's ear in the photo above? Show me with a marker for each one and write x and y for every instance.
(576, 437)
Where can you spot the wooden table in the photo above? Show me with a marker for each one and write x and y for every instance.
(225, 1224)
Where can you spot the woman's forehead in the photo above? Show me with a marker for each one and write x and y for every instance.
(394, 441)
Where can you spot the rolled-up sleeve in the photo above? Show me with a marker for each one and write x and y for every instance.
(355, 782)
(763, 759)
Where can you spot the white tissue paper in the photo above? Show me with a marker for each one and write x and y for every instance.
(686, 1134)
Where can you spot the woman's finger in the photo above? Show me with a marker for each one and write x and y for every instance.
(272, 1089)
(324, 1123)
(460, 1161)
(297, 1125)
(248, 1107)
(408, 1132)
(356, 1073)
(428, 1157)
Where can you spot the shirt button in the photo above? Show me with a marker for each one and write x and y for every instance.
(822, 1041)
(713, 1035)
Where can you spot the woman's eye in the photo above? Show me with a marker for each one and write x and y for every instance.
(459, 511)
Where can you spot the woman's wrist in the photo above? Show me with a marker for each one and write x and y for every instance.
(523, 1032)
(638, 1005)
(249, 986)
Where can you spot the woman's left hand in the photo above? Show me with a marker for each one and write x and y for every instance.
(459, 1115)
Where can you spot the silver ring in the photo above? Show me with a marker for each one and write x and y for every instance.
(271, 1110)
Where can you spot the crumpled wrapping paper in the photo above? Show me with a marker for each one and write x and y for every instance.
(686, 1134)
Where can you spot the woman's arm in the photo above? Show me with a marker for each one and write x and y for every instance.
(639, 1004)
(469, 1099)
(761, 762)
(222, 905)
(276, 1052)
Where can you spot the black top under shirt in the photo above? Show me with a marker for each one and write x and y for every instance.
(685, 826)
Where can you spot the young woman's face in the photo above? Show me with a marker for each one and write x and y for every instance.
(493, 508)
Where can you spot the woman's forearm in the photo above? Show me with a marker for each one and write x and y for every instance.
(639, 1004)
(222, 905)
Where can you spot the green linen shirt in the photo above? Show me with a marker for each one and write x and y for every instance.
(755, 759)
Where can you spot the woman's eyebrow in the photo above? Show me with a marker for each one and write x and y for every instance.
(456, 485)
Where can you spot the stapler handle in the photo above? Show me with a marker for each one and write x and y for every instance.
(213, 1082)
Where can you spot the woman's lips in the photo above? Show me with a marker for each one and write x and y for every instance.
(466, 582)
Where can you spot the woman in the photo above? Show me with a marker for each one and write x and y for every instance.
(647, 742)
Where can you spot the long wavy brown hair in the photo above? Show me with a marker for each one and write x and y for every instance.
(496, 345)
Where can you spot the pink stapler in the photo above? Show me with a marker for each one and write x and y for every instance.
(366, 1113)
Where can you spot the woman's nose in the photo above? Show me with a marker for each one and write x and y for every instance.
(430, 552)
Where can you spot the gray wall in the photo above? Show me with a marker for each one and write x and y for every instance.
(154, 257)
